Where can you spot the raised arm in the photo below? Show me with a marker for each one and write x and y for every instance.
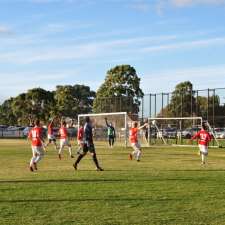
(106, 122)
(141, 127)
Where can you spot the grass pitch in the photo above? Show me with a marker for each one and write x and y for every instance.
(168, 186)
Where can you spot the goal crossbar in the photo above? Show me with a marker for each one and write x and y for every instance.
(108, 114)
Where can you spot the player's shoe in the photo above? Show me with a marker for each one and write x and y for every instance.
(99, 169)
(75, 166)
(31, 169)
(138, 160)
(130, 156)
(71, 156)
(60, 156)
(35, 165)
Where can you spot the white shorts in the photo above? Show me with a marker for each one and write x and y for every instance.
(64, 142)
(203, 149)
(51, 137)
(136, 146)
(37, 150)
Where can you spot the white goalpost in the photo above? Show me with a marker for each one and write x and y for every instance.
(119, 120)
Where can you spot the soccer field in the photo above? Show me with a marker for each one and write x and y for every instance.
(168, 186)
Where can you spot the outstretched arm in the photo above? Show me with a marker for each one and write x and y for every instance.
(106, 122)
(141, 127)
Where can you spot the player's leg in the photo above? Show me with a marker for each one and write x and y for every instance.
(70, 149)
(80, 156)
(32, 160)
(94, 157)
(62, 144)
(113, 140)
(137, 151)
(109, 139)
(204, 152)
(80, 147)
(40, 155)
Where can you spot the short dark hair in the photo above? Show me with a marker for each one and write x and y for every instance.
(204, 125)
(135, 124)
(87, 119)
(37, 122)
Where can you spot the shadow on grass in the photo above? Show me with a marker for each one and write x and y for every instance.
(115, 199)
(155, 179)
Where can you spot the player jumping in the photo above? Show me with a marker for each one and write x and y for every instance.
(204, 138)
(88, 145)
(64, 140)
(37, 142)
(133, 136)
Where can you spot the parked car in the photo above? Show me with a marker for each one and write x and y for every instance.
(219, 133)
(189, 132)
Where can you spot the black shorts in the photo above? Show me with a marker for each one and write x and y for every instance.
(90, 148)
(51, 140)
(111, 137)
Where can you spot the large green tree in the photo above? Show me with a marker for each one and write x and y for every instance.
(73, 100)
(120, 91)
(182, 100)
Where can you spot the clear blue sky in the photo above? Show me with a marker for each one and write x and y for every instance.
(44, 43)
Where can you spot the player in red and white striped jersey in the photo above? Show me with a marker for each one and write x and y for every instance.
(204, 138)
(64, 140)
(37, 142)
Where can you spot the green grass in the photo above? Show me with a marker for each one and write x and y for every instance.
(169, 186)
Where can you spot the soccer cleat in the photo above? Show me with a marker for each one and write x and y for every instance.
(60, 156)
(75, 166)
(31, 169)
(130, 157)
(138, 160)
(100, 169)
(35, 165)
(71, 156)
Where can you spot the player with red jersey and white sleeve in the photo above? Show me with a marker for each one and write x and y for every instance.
(37, 141)
(80, 139)
(133, 137)
(64, 140)
(204, 138)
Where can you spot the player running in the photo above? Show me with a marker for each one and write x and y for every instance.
(37, 142)
(88, 145)
(64, 140)
(80, 139)
(133, 136)
(51, 137)
(204, 138)
(111, 133)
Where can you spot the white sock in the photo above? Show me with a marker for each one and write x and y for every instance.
(32, 160)
(70, 151)
(138, 155)
(203, 158)
(38, 158)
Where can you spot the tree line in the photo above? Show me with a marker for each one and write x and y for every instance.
(120, 92)
(121, 82)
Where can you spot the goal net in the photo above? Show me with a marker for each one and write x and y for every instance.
(119, 120)
(174, 131)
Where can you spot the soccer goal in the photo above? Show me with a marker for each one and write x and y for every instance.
(119, 120)
(175, 131)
